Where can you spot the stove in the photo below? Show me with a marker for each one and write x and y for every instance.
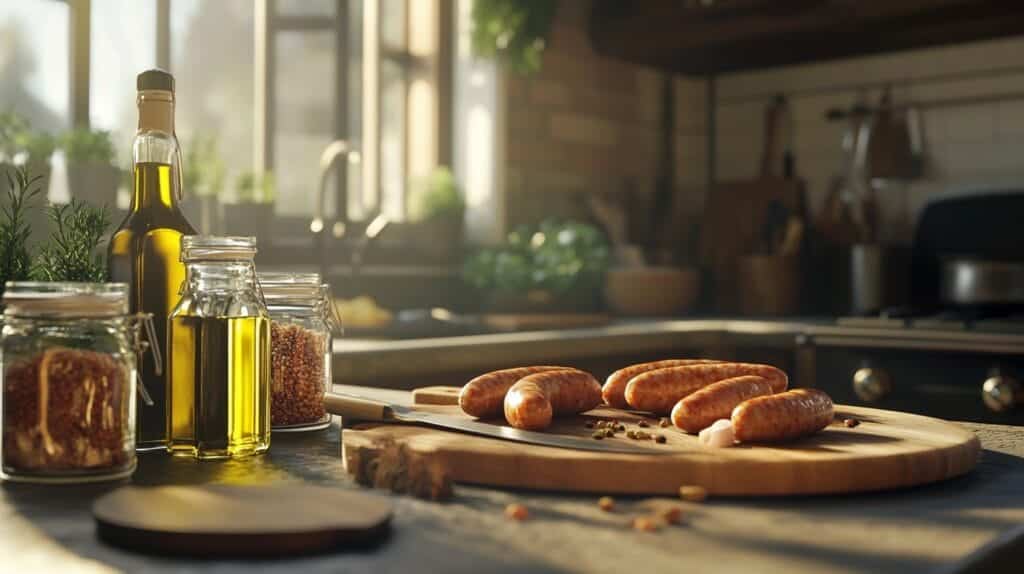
(952, 364)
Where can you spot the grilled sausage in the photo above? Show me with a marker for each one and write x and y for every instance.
(783, 416)
(716, 401)
(659, 390)
(535, 399)
(614, 389)
(484, 396)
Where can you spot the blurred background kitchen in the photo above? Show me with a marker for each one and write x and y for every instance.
(830, 186)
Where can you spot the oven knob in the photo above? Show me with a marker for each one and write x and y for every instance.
(871, 384)
(1001, 393)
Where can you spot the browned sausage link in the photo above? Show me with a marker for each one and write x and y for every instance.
(659, 390)
(535, 399)
(716, 401)
(614, 389)
(783, 416)
(484, 396)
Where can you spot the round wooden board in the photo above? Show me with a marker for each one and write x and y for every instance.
(887, 450)
(247, 521)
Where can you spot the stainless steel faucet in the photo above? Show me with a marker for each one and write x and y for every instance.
(340, 149)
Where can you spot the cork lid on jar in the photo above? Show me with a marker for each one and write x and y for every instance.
(43, 299)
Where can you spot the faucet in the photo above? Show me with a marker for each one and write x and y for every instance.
(334, 150)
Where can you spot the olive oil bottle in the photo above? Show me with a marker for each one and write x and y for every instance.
(219, 366)
(145, 251)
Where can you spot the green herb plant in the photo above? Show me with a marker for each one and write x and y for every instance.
(15, 259)
(513, 31)
(37, 146)
(436, 196)
(203, 167)
(83, 145)
(72, 252)
(253, 187)
(11, 126)
(560, 258)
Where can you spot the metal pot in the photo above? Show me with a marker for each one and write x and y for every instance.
(967, 281)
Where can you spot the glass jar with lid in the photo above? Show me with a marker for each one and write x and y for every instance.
(301, 322)
(69, 355)
(218, 342)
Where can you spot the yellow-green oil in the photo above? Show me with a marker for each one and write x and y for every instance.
(145, 253)
(219, 386)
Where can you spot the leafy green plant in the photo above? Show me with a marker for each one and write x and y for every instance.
(204, 167)
(15, 259)
(11, 126)
(253, 187)
(38, 146)
(82, 145)
(560, 258)
(72, 252)
(513, 31)
(436, 196)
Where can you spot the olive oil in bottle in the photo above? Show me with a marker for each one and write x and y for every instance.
(145, 251)
(218, 391)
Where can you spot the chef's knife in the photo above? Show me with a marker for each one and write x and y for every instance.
(363, 409)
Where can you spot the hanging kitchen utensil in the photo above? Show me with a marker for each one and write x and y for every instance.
(894, 147)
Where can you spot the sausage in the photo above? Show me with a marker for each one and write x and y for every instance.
(659, 390)
(783, 416)
(535, 399)
(483, 396)
(715, 401)
(614, 390)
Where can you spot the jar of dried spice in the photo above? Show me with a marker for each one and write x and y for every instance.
(301, 321)
(69, 354)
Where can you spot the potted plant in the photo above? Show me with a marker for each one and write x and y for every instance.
(20, 193)
(554, 266)
(436, 214)
(253, 206)
(21, 146)
(92, 175)
(202, 182)
(513, 31)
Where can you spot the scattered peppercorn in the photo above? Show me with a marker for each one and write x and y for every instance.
(642, 435)
(643, 424)
(645, 524)
(673, 515)
(850, 423)
(693, 493)
(660, 439)
(631, 434)
(598, 435)
(606, 503)
(609, 433)
(620, 428)
(664, 423)
(517, 512)
(600, 424)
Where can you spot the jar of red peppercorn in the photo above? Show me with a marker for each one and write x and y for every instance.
(69, 354)
(301, 322)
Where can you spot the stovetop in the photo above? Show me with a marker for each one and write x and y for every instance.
(943, 320)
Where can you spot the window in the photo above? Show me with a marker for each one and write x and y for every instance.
(328, 70)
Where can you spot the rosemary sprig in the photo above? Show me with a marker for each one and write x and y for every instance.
(72, 253)
(15, 260)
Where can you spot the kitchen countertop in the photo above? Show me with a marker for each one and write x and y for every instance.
(364, 361)
(912, 530)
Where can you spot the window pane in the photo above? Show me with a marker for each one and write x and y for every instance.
(305, 121)
(306, 7)
(392, 23)
(212, 61)
(34, 78)
(123, 43)
(392, 139)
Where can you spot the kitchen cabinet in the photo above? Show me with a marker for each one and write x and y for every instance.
(714, 36)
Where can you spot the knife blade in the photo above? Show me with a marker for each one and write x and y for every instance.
(365, 409)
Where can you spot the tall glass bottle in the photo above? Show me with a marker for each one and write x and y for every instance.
(145, 251)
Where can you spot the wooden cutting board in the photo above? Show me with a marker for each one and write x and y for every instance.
(887, 450)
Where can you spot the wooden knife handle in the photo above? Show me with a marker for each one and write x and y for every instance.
(351, 407)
